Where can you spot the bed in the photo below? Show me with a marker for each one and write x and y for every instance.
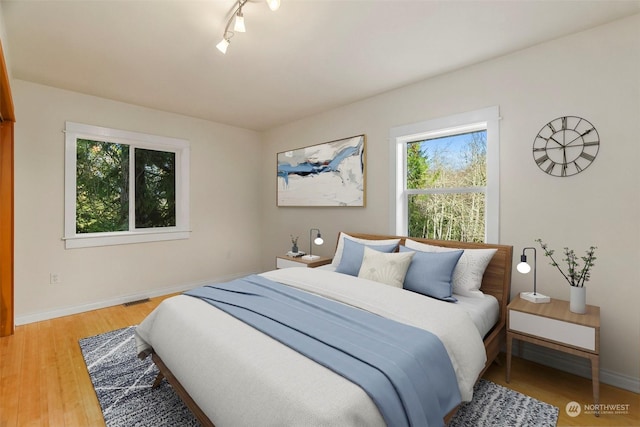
(230, 374)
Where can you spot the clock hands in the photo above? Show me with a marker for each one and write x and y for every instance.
(557, 148)
(556, 141)
(580, 135)
(561, 145)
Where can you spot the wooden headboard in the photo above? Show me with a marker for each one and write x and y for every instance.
(496, 280)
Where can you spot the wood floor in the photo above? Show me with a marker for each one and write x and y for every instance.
(44, 381)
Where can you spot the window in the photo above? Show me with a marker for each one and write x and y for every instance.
(124, 187)
(446, 177)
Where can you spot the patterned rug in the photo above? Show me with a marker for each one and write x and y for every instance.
(496, 406)
(123, 385)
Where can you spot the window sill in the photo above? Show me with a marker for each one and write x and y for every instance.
(122, 238)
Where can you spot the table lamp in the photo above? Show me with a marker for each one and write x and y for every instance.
(318, 241)
(524, 268)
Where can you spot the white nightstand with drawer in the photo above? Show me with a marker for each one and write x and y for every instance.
(289, 261)
(552, 325)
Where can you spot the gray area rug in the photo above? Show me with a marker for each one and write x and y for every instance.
(494, 405)
(123, 385)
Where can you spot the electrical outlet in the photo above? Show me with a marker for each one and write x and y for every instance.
(55, 279)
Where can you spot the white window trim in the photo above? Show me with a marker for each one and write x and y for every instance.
(486, 118)
(180, 147)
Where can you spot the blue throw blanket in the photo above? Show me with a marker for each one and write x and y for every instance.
(405, 370)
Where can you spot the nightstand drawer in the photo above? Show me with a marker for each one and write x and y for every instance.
(287, 263)
(552, 329)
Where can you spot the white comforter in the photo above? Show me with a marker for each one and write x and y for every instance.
(239, 376)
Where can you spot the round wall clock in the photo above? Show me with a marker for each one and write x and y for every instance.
(566, 146)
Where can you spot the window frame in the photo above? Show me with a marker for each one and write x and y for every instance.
(483, 119)
(181, 148)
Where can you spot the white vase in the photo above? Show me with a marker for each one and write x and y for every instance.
(578, 300)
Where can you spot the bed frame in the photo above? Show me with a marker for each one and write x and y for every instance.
(496, 281)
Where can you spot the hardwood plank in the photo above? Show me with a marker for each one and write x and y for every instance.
(72, 392)
(11, 357)
(50, 376)
(28, 398)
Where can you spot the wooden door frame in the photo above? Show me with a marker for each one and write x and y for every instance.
(7, 119)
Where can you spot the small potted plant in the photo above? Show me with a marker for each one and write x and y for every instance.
(294, 242)
(576, 275)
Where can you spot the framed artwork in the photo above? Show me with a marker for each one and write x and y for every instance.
(328, 174)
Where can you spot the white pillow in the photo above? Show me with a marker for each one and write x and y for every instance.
(467, 276)
(389, 269)
(338, 255)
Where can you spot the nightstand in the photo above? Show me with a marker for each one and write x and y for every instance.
(552, 325)
(285, 261)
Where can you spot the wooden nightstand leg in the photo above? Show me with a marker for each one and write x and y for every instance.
(509, 344)
(595, 380)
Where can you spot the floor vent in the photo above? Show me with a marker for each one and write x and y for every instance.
(140, 301)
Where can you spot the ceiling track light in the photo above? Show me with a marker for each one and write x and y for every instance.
(239, 25)
(238, 18)
(273, 4)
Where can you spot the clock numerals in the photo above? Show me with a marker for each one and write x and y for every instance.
(564, 123)
(560, 148)
(542, 159)
(550, 126)
(587, 156)
(549, 168)
(578, 124)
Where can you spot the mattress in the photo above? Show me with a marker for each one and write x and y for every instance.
(484, 312)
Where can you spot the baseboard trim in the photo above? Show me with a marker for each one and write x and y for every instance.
(574, 365)
(67, 311)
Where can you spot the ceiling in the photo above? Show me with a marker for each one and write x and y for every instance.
(309, 56)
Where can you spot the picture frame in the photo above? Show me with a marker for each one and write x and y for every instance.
(327, 174)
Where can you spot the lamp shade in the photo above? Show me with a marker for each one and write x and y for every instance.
(223, 45)
(239, 24)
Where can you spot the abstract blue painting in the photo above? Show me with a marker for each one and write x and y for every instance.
(328, 174)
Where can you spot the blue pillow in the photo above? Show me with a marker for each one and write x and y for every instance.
(353, 253)
(430, 273)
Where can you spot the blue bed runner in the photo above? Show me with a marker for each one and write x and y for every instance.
(405, 370)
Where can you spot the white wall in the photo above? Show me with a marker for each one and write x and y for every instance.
(224, 208)
(593, 74)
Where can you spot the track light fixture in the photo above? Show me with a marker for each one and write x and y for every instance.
(238, 18)
(239, 25)
(273, 4)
